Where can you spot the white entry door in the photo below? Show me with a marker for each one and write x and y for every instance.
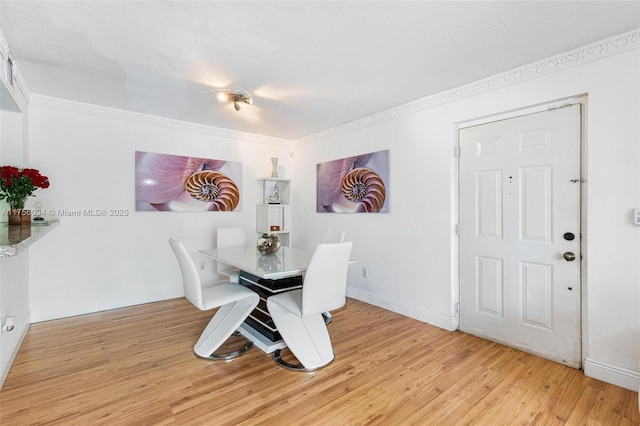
(520, 233)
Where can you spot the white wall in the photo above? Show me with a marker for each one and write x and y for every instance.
(89, 264)
(409, 251)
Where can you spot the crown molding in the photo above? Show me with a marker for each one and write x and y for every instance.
(151, 120)
(607, 47)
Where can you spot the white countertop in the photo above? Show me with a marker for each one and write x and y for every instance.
(16, 239)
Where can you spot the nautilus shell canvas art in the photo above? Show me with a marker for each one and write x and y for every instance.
(357, 184)
(176, 183)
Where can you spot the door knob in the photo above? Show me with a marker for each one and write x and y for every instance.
(569, 257)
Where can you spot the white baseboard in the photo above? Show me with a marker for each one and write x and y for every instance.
(72, 311)
(614, 374)
(449, 323)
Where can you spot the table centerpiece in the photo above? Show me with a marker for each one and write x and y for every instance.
(268, 244)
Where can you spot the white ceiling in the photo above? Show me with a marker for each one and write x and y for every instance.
(311, 65)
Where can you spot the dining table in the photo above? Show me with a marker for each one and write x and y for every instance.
(286, 262)
(266, 274)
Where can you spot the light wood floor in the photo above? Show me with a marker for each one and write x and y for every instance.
(135, 366)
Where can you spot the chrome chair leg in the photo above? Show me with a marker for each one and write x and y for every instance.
(277, 357)
(230, 355)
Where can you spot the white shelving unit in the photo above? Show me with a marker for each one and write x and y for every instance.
(273, 216)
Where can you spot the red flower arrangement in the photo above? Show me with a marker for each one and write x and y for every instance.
(16, 185)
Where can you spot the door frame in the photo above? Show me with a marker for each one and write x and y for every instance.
(582, 100)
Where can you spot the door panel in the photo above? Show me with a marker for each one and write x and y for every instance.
(535, 203)
(537, 304)
(489, 204)
(489, 285)
(518, 196)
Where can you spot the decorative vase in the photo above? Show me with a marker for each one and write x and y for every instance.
(268, 244)
(274, 167)
(18, 217)
(17, 234)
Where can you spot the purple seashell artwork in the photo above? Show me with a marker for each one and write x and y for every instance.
(177, 183)
(357, 184)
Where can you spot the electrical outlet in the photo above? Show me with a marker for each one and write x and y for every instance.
(365, 272)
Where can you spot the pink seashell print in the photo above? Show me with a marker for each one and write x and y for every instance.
(161, 183)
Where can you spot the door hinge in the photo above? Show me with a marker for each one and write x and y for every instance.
(456, 151)
(457, 307)
(457, 229)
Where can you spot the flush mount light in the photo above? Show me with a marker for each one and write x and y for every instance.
(236, 96)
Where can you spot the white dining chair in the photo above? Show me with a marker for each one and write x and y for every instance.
(297, 314)
(331, 236)
(230, 237)
(235, 303)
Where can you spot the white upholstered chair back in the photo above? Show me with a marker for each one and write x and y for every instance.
(230, 237)
(190, 278)
(325, 282)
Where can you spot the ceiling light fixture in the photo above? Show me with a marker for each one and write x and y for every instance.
(236, 96)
